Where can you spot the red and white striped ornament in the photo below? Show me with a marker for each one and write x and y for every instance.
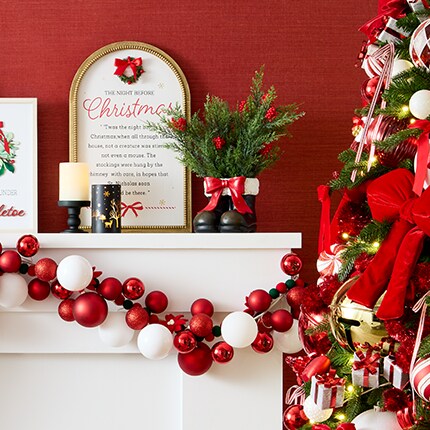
(419, 48)
(420, 378)
(329, 263)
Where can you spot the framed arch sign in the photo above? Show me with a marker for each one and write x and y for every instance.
(114, 93)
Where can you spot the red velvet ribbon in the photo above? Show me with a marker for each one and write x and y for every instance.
(121, 65)
(368, 362)
(422, 154)
(236, 186)
(324, 234)
(134, 207)
(391, 198)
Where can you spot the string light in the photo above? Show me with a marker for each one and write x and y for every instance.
(373, 159)
(350, 388)
(345, 236)
(376, 245)
(405, 109)
(412, 121)
(340, 417)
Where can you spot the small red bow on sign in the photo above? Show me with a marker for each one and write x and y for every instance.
(368, 362)
(391, 198)
(121, 65)
(4, 140)
(236, 186)
(134, 207)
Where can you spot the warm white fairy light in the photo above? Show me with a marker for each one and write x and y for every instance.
(405, 109)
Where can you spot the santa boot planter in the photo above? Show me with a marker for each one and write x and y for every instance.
(235, 222)
(207, 221)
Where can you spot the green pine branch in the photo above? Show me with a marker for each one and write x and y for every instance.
(392, 141)
(424, 347)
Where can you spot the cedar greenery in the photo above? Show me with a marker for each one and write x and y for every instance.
(223, 142)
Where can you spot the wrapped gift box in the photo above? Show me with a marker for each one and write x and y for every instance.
(328, 390)
(365, 369)
(394, 374)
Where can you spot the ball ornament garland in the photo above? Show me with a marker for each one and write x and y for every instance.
(83, 299)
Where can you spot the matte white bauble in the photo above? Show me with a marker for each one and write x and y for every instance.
(13, 290)
(155, 341)
(74, 273)
(114, 331)
(239, 329)
(419, 104)
(375, 420)
(288, 342)
(314, 412)
(400, 66)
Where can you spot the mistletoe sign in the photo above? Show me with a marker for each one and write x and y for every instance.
(8, 148)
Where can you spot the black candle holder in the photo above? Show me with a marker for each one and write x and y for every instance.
(74, 211)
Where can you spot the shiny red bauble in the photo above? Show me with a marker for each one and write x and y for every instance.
(184, 342)
(291, 264)
(202, 306)
(317, 366)
(281, 320)
(45, 269)
(201, 325)
(156, 302)
(38, 290)
(263, 343)
(27, 245)
(65, 310)
(294, 417)
(10, 261)
(295, 299)
(110, 288)
(259, 300)
(59, 291)
(197, 362)
(264, 323)
(90, 309)
(133, 288)
(137, 317)
(222, 352)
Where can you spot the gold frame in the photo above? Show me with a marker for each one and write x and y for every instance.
(186, 105)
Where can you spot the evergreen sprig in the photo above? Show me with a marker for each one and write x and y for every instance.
(424, 350)
(392, 141)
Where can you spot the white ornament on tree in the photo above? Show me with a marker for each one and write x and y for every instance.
(419, 104)
(400, 66)
(314, 412)
(376, 420)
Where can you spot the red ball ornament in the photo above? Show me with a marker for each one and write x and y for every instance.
(259, 300)
(110, 288)
(294, 417)
(184, 342)
(45, 269)
(90, 309)
(201, 325)
(368, 89)
(202, 306)
(295, 298)
(264, 323)
(133, 288)
(38, 290)
(59, 291)
(197, 362)
(281, 287)
(222, 352)
(137, 317)
(10, 261)
(65, 310)
(156, 302)
(27, 245)
(263, 343)
(291, 264)
(282, 320)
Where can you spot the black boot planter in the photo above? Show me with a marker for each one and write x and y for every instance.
(208, 221)
(235, 222)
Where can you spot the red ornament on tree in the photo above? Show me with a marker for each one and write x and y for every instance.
(10, 261)
(60, 292)
(294, 417)
(291, 264)
(202, 306)
(222, 352)
(38, 290)
(264, 323)
(258, 301)
(110, 288)
(317, 366)
(27, 245)
(156, 302)
(201, 325)
(137, 317)
(46, 269)
(197, 362)
(281, 320)
(90, 309)
(263, 343)
(65, 310)
(184, 342)
(133, 288)
(294, 299)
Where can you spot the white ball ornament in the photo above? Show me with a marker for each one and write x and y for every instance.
(314, 412)
(288, 342)
(74, 273)
(239, 329)
(419, 104)
(13, 290)
(155, 341)
(372, 419)
(400, 66)
(114, 331)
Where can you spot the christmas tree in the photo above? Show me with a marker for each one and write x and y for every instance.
(364, 324)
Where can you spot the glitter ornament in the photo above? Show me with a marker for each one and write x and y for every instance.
(45, 269)
(291, 264)
(294, 417)
(419, 47)
(137, 317)
(314, 412)
(222, 352)
(294, 299)
(38, 290)
(110, 288)
(10, 261)
(201, 325)
(184, 342)
(133, 288)
(156, 302)
(90, 309)
(27, 245)
(65, 310)
(202, 306)
(60, 292)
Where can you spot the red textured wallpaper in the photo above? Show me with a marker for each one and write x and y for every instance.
(309, 49)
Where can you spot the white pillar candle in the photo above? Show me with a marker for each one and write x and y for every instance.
(74, 181)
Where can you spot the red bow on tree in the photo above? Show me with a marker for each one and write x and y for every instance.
(422, 154)
(368, 362)
(121, 65)
(391, 198)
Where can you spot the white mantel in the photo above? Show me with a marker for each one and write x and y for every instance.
(50, 369)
